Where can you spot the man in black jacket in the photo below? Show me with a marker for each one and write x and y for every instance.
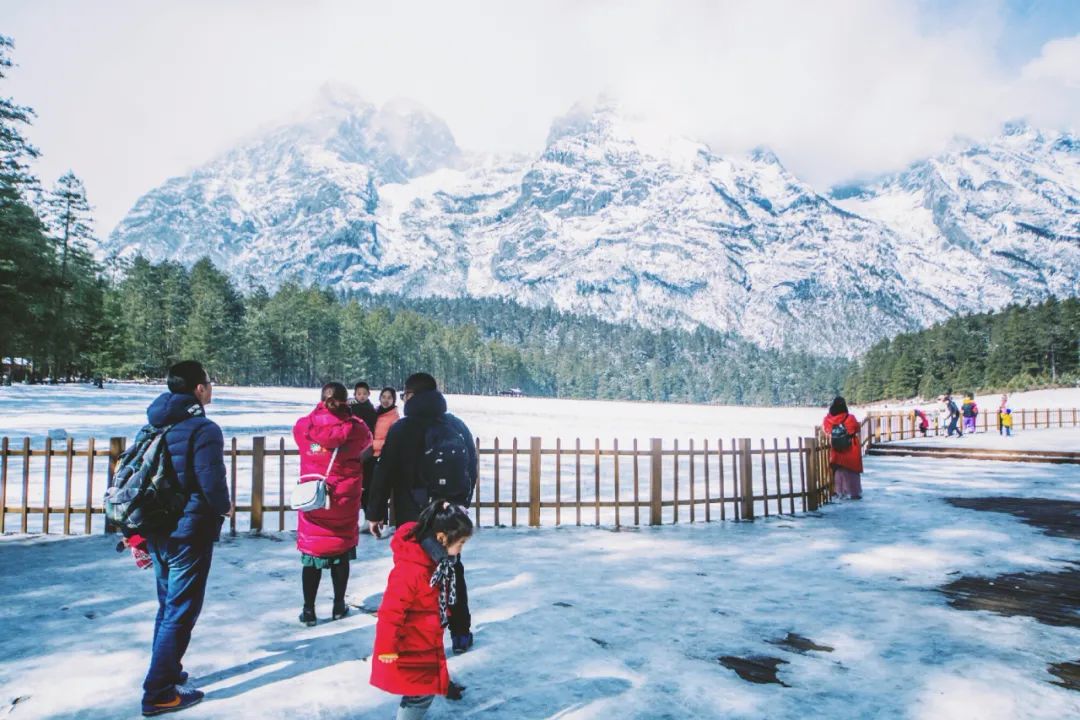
(399, 475)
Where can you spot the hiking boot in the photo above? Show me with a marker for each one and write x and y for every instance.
(340, 610)
(461, 643)
(307, 616)
(182, 701)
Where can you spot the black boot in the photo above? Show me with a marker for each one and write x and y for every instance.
(307, 616)
(340, 610)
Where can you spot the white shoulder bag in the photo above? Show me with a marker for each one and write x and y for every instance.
(311, 492)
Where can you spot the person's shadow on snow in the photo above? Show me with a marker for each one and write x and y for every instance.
(295, 657)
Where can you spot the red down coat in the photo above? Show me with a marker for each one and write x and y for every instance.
(409, 625)
(850, 459)
(325, 533)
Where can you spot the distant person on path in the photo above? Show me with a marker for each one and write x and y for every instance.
(409, 657)
(361, 406)
(922, 422)
(182, 559)
(1005, 421)
(954, 417)
(429, 454)
(970, 411)
(845, 451)
(327, 538)
(1002, 407)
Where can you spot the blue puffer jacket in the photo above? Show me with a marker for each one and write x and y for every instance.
(197, 448)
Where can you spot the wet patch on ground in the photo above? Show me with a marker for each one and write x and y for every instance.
(1052, 598)
(1068, 674)
(1058, 518)
(755, 668)
(799, 644)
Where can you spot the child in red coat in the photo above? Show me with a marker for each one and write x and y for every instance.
(409, 657)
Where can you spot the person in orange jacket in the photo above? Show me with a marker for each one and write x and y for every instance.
(386, 415)
(845, 451)
(409, 658)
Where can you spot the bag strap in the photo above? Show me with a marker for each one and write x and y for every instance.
(331, 465)
(325, 475)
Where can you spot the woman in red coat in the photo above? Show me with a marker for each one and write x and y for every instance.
(415, 610)
(846, 462)
(327, 538)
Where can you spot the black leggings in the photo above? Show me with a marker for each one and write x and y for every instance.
(311, 576)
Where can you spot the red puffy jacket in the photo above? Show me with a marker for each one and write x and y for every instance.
(409, 625)
(850, 459)
(325, 533)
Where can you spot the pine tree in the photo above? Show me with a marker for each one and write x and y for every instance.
(26, 261)
(212, 329)
(67, 214)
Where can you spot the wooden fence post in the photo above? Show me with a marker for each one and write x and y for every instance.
(813, 473)
(534, 482)
(258, 456)
(3, 481)
(656, 482)
(117, 445)
(746, 478)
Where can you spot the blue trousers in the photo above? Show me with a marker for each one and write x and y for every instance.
(953, 427)
(182, 571)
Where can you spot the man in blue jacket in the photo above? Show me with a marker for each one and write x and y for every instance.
(182, 558)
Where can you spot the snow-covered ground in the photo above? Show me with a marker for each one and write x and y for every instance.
(120, 409)
(585, 623)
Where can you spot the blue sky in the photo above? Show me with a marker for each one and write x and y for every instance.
(132, 92)
(1026, 24)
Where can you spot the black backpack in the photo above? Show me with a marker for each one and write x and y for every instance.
(839, 438)
(444, 468)
(146, 496)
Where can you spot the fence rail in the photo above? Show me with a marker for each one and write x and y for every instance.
(59, 488)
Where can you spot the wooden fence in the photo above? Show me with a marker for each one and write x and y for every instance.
(575, 483)
(883, 427)
(60, 486)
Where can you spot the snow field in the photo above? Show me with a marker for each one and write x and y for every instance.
(119, 410)
(585, 623)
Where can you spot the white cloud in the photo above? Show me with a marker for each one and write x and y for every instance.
(129, 93)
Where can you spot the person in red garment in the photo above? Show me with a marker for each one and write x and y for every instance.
(327, 538)
(409, 656)
(845, 452)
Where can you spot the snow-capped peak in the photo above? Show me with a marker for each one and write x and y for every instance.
(625, 220)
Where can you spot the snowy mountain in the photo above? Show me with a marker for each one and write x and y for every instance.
(1001, 218)
(617, 220)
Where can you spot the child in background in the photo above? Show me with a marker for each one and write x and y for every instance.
(409, 657)
(969, 410)
(1006, 422)
(922, 422)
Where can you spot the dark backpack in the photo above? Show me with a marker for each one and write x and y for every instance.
(839, 438)
(146, 496)
(444, 468)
